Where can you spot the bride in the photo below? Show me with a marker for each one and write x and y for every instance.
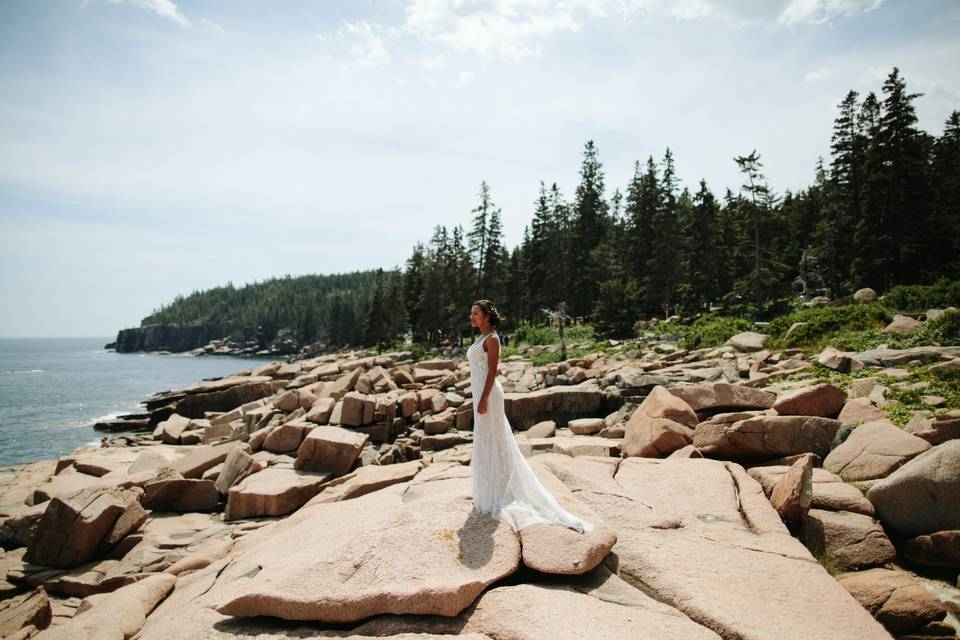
(504, 485)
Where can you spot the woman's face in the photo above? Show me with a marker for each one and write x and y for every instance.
(477, 317)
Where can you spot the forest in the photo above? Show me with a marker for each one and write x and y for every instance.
(883, 211)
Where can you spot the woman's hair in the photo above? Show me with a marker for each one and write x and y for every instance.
(491, 312)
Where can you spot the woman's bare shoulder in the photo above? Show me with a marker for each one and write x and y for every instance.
(492, 333)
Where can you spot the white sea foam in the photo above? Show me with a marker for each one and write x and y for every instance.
(24, 371)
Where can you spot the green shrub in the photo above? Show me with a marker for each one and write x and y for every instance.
(706, 331)
(824, 322)
(543, 334)
(917, 298)
(944, 331)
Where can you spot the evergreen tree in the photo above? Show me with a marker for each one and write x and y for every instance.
(662, 264)
(589, 229)
(893, 228)
(946, 207)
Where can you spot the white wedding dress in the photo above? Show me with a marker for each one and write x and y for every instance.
(504, 485)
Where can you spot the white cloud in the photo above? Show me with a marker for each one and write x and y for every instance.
(818, 75)
(213, 25)
(511, 28)
(820, 11)
(518, 28)
(368, 49)
(164, 8)
(463, 77)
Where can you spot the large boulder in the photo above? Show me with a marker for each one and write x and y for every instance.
(849, 540)
(180, 494)
(874, 450)
(170, 430)
(275, 491)
(902, 324)
(116, 615)
(559, 403)
(76, 527)
(688, 529)
(329, 448)
(766, 437)
(604, 607)
(205, 457)
(368, 479)
(895, 598)
(824, 400)
(747, 341)
(553, 549)
(661, 403)
(236, 466)
(940, 549)
(828, 491)
(654, 437)
(793, 493)
(859, 410)
(339, 561)
(240, 390)
(921, 497)
(723, 396)
(30, 609)
(943, 427)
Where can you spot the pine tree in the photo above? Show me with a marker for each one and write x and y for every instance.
(662, 264)
(946, 177)
(377, 315)
(701, 260)
(589, 229)
(893, 228)
(413, 285)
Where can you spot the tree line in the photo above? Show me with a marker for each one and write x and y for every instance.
(882, 211)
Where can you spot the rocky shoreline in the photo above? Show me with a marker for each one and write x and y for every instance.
(739, 492)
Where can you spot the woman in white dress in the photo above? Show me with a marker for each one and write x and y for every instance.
(504, 485)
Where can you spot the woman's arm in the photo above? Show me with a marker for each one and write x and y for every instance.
(493, 356)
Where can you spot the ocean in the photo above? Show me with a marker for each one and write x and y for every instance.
(52, 390)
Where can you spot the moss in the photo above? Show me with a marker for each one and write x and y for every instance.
(827, 563)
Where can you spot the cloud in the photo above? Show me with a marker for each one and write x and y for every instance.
(368, 49)
(518, 28)
(463, 77)
(164, 8)
(818, 75)
(213, 25)
(510, 28)
(820, 11)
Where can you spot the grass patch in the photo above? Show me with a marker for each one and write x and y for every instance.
(540, 335)
(824, 324)
(706, 331)
(827, 563)
(903, 402)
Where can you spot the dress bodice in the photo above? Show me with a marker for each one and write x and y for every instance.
(477, 357)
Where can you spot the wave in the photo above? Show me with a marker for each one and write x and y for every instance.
(24, 370)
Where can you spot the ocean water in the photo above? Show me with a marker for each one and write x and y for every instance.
(52, 390)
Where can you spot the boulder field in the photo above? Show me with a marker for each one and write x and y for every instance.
(734, 495)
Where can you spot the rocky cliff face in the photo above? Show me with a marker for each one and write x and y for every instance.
(202, 339)
(164, 337)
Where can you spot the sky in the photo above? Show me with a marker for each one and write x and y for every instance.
(150, 148)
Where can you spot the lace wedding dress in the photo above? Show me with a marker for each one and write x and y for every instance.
(504, 485)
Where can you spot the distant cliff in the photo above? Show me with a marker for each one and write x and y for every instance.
(165, 337)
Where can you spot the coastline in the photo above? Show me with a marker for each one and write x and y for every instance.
(224, 473)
